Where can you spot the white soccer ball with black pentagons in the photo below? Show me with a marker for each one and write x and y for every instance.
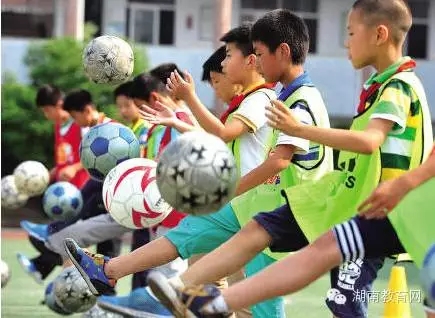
(62, 201)
(11, 198)
(97, 312)
(427, 275)
(50, 301)
(108, 59)
(5, 273)
(71, 291)
(197, 173)
(131, 195)
(106, 145)
(31, 178)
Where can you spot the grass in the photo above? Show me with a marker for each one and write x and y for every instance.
(22, 296)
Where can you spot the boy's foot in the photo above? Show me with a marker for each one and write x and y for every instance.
(91, 267)
(38, 231)
(188, 302)
(139, 303)
(29, 267)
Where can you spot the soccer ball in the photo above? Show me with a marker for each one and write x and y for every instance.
(106, 145)
(71, 291)
(97, 312)
(108, 59)
(428, 276)
(131, 195)
(11, 198)
(197, 173)
(5, 272)
(62, 201)
(50, 301)
(31, 178)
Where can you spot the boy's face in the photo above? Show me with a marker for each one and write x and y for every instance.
(224, 89)
(234, 63)
(155, 97)
(268, 64)
(127, 109)
(361, 40)
(84, 118)
(53, 112)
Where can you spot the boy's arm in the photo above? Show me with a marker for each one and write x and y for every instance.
(364, 142)
(185, 90)
(68, 172)
(390, 193)
(277, 161)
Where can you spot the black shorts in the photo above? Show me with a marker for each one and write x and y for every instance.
(281, 225)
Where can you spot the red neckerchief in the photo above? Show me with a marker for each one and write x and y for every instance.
(374, 87)
(238, 99)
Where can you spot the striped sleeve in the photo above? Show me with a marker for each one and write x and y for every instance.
(394, 104)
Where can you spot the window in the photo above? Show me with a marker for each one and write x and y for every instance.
(29, 19)
(151, 22)
(416, 44)
(206, 22)
(251, 10)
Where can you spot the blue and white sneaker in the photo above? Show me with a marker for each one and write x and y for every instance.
(38, 231)
(187, 302)
(29, 267)
(139, 303)
(91, 267)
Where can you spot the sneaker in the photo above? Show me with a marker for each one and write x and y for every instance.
(38, 231)
(139, 303)
(29, 267)
(187, 302)
(91, 267)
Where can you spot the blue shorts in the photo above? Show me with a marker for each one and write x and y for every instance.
(285, 232)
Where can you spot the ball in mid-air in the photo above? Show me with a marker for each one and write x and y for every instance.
(62, 201)
(11, 198)
(31, 178)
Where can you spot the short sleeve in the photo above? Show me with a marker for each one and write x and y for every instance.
(301, 112)
(394, 104)
(252, 111)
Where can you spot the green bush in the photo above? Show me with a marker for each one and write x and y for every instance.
(25, 132)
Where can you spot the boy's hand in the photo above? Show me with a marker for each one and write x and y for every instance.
(160, 115)
(279, 117)
(67, 173)
(387, 195)
(182, 88)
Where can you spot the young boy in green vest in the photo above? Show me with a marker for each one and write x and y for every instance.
(390, 134)
(203, 234)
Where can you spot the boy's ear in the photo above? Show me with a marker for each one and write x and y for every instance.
(382, 34)
(284, 51)
(251, 60)
(154, 97)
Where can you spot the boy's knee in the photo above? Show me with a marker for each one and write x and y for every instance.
(256, 235)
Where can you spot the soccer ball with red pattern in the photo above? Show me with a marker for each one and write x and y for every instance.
(131, 195)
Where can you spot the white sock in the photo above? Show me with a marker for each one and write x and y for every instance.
(176, 282)
(217, 305)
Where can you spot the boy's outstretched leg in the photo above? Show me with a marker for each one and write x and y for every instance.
(101, 273)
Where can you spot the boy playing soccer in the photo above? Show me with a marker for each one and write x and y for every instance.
(391, 134)
(203, 234)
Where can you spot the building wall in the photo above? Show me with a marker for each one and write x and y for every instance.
(334, 76)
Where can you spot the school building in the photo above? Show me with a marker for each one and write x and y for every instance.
(183, 31)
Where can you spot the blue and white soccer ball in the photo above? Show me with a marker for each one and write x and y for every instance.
(428, 276)
(62, 201)
(105, 146)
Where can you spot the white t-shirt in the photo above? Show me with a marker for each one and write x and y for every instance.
(254, 144)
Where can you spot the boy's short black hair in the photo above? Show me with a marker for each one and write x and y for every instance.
(48, 95)
(123, 89)
(241, 37)
(213, 63)
(163, 71)
(144, 84)
(283, 26)
(396, 13)
(77, 101)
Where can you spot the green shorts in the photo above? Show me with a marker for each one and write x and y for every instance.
(203, 234)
